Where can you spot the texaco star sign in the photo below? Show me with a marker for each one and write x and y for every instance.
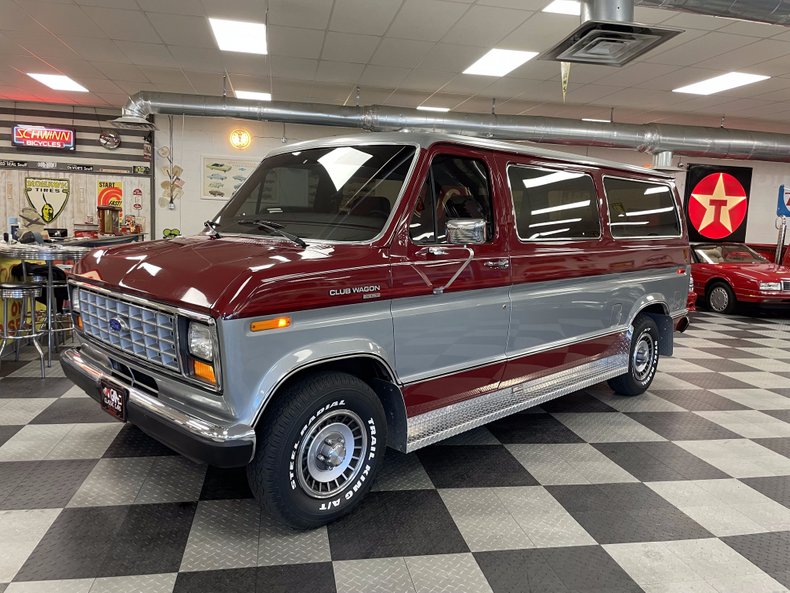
(717, 205)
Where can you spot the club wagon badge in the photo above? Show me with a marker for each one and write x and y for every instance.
(47, 196)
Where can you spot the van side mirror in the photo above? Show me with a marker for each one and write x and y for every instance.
(466, 231)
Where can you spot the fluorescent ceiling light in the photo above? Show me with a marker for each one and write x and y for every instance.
(721, 83)
(547, 233)
(550, 178)
(653, 211)
(551, 222)
(603, 121)
(59, 82)
(564, 7)
(342, 163)
(498, 62)
(659, 189)
(240, 36)
(253, 95)
(571, 206)
(635, 223)
(426, 108)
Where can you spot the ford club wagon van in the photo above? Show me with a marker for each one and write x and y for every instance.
(381, 290)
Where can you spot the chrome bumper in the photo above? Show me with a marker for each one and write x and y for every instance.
(223, 445)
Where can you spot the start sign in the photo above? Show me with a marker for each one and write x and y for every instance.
(30, 136)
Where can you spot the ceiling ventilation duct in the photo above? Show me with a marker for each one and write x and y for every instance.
(608, 36)
(774, 12)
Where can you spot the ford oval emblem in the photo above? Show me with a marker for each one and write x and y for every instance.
(117, 324)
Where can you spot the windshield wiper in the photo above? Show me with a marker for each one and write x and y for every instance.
(272, 227)
(213, 233)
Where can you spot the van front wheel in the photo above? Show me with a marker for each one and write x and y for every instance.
(320, 446)
(642, 359)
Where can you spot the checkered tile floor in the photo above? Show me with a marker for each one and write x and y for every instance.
(685, 489)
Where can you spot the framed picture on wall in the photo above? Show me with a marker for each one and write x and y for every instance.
(222, 176)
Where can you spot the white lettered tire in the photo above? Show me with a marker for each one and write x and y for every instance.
(642, 358)
(320, 445)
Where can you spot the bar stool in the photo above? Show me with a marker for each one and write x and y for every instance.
(25, 293)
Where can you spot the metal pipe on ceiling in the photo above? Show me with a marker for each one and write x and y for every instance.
(776, 12)
(650, 138)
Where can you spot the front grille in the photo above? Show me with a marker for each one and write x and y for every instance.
(785, 284)
(143, 332)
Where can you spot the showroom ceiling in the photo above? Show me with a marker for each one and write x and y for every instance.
(399, 52)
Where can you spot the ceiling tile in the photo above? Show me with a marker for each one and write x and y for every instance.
(92, 48)
(354, 16)
(540, 32)
(586, 93)
(146, 54)
(651, 16)
(499, 22)
(338, 72)
(385, 77)
(293, 42)
(464, 83)
(68, 19)
(401, 52)
(200, 59)
(128, 25)
(15, 18)
(116, 100)
(299, 13)
(750, 57)
(633, 74)
(176, 29)
(120, 71)
(209, 83)
(170, 6)
(123, 4)
(246, 64)
(425, 80)
(531, 5)
(451, 58)
(293, 68)
(428, 20)
(703, 22)
(759, 30)
(347, 47)
(698, 50)
(537, 70)
(678, 78)
(40, 44)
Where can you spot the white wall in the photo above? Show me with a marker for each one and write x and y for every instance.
(195, 137)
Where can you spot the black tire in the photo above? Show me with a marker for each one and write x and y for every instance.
(302, 443)
(720, 298)
(642, 359)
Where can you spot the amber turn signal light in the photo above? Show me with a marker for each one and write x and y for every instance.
(78, 321)
(205, 371)
(276, 323)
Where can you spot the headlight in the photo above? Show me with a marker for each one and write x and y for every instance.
(75, 299)
(201, 342)
(769, 286)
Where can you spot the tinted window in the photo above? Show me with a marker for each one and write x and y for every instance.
(456, 187)
(340, 194)
(639, 209)
(554, 204)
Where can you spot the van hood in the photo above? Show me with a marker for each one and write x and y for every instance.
(225, 277)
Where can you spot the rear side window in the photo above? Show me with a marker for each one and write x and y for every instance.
(553, 204)
(641, 209)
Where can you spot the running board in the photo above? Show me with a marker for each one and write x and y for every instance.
(436, 425)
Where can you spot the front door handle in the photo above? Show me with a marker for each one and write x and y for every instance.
(498, 264)
(433, 250)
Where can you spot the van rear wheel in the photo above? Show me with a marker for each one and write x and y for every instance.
(320, 446)
(642, 359)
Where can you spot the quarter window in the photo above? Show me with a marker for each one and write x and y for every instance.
(456, 187)
(551, 204)
(641, 209)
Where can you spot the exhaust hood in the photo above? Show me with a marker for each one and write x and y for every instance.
(608, 43)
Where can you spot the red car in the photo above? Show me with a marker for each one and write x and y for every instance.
(728, 273)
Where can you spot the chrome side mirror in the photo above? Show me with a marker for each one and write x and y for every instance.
(466, 231)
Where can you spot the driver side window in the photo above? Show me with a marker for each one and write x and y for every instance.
(456, 187)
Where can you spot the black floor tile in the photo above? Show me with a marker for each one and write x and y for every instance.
(111, 541)
(739, 333)
(225, 483)
(682, 426)
(768, 551)
(738, 343)
(780, 414)
(532, 428)
(41, 484)
(292, 578)
(396, 523)
(72, 410)
(133, 442)
(726, 353)
(483, 466)
(782, 391)
(589, 568)
(774, 487)
(720, 365)
(652, 462)
(698, 400)
(6, 432)
(714, 380)
(620, 513)
(579, 401)
(780, 445)
(25, 387)
(519, 571)
(10, 366)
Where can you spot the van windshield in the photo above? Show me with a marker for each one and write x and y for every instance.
(336, 194)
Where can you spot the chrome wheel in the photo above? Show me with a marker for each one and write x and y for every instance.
(331, 452)
(719, 299)
(642, 357)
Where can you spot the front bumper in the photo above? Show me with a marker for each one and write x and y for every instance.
(221, 445)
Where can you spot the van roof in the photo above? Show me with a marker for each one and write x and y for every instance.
(427, 139)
